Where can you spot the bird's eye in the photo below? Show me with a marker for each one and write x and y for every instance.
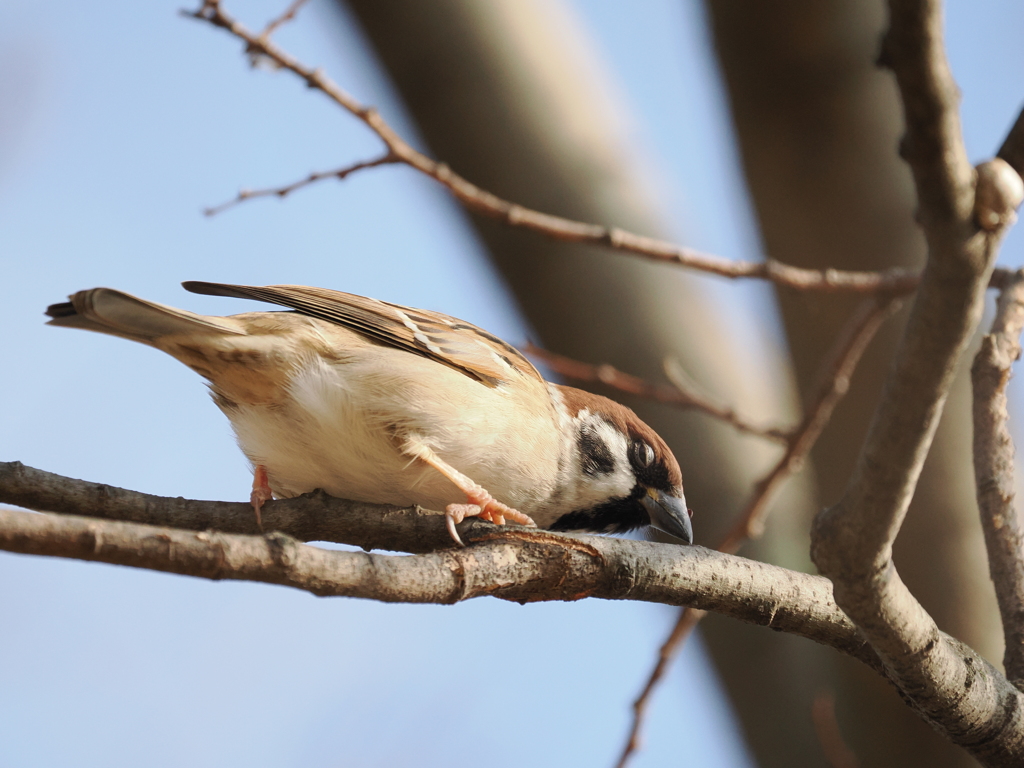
(641, 454)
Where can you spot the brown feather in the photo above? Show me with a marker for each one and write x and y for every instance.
(445, 339)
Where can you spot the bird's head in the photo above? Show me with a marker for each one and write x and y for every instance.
(624, 474)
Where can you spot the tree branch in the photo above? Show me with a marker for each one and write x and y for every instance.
(994, 470)
(837, 751)
(839, 366)
(678, 393)
(287, 15)
(312, 517)
(852, 541)
(338, 173)
(513, 564)
(895, 281)
(687, 621)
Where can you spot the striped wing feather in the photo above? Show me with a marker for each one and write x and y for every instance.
(454, 343)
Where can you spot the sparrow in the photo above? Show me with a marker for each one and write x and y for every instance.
(381, 403)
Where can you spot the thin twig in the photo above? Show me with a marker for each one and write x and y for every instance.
(284, 18)
(678, 393)
(895, 281)
(688, 619)
(338, 173)
(839, 367)
(994, 471)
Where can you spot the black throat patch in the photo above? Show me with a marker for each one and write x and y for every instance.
(614, 516)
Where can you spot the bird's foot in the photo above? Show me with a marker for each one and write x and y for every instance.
(493, 510)
(261, 492)
(481, 503)
(484, 506)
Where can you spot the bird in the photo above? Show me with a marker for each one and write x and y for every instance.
(382, 403)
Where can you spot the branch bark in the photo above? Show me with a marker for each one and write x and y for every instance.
(512, 564)
(994, 471)
(312, 517)
(817, 124)
(852, 541)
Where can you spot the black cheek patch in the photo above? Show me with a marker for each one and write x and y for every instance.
(595, 456)
(615, 516)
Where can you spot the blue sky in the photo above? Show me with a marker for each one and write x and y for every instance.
(119, 122)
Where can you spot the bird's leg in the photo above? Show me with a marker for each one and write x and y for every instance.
(261, 492)
(481, 503)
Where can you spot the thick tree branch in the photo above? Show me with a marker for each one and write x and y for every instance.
(994, 470)
(177, 535)
(513, 564)
(933, 144)
(852, 542)
(611, 568)
(313, 517)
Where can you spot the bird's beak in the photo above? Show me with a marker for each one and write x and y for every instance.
(669, 514)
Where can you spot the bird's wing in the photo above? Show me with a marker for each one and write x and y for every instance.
(460, 345)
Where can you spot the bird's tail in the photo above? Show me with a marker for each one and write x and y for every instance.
(105, 310)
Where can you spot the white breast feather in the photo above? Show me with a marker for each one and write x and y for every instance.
(337, 433)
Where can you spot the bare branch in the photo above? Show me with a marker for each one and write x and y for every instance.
(676, 394)
(839, 367)
(994, 470)
(312, 517)
(287, 189)
(513, 564)
(288, 14)
(852, 542)
(842, 361)
(688, 620)
(895, 281)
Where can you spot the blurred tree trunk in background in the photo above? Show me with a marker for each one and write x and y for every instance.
(818, 127)
(508, 93)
